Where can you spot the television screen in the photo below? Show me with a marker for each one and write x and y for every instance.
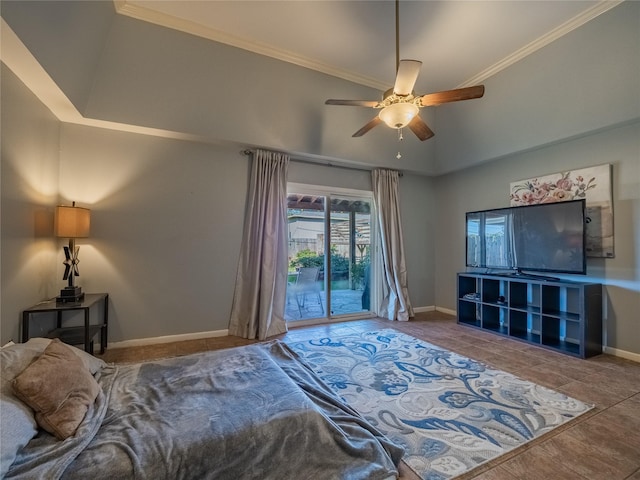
(547, 237)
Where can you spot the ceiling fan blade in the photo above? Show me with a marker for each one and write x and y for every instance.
(406, 76)
(422, 131)
(432, 99)
(375, 121)
(352, 103)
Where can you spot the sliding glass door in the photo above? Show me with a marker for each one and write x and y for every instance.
(329, 254)
(306, 293)
(350, 247)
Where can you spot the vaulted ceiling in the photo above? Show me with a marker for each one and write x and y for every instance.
(257, 73)
(460, 43)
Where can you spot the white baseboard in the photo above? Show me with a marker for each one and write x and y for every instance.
(140, 342)
(433, 308)
(447, 311)
(424, 309)
(621, 353)
(222, 333)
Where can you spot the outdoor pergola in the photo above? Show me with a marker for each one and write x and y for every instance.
(356, 233)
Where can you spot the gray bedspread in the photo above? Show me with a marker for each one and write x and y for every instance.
(249, 412)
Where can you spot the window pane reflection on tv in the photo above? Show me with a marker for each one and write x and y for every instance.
(541, 238)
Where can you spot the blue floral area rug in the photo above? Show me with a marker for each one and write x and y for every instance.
(450, 413)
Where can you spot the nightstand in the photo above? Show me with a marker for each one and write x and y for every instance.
(83, 334)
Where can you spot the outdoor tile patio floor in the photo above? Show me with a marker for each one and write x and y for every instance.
(601, 444)
(342, 302)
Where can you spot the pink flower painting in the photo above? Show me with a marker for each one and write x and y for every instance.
(565, 187)
(593, 184)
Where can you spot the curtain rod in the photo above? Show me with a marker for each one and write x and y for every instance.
(326, 163)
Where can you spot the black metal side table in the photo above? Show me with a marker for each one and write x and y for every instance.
(73, 335)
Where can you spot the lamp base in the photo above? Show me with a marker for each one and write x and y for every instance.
(70, 294)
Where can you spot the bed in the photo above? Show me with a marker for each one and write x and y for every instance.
(248, 412)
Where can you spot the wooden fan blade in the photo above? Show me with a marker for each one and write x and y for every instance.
(375, 121)
(447, 96)
(352, 103)
(422, 131)
(406, 76)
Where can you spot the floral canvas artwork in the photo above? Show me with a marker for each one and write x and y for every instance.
(593, 184)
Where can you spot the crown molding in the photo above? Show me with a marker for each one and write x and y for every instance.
(187, 26)
(553, 35)
(194, 28)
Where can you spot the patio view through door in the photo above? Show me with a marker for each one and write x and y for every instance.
(329, 254)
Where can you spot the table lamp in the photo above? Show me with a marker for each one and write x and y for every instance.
(71, 222)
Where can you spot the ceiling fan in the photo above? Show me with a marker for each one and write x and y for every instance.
(399, 106)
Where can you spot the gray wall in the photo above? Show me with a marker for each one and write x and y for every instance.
(29, 176)
(487, 186)
(584, 81)
(167, 213)
(419, 220)
(167, 219)
(570, 105)
(73, 55)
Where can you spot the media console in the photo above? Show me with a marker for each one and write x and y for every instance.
(560, 315)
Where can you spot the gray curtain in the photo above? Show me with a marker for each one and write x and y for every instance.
(395, 303)
(261, 281)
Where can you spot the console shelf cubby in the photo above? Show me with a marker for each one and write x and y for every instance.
(556, 314)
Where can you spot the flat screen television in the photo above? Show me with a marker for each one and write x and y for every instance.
(547, 237)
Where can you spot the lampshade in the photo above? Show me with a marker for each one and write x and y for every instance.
(398, 115)
(72, 222)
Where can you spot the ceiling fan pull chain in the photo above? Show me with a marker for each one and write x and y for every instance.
(400, 138)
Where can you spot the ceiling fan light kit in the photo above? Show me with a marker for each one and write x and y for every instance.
(399, 106)
(398, 115)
